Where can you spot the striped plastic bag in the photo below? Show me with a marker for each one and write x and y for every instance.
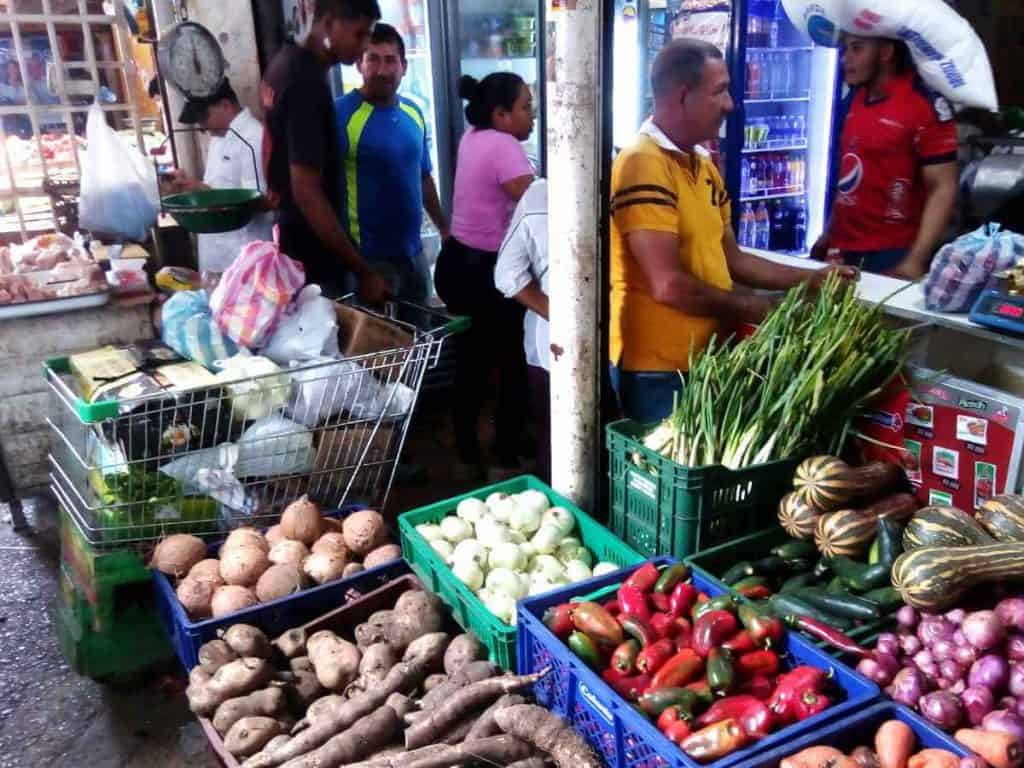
(253, 292)
(188, 328)
(962, 270)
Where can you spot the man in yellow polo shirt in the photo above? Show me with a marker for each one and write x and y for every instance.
(673, 252)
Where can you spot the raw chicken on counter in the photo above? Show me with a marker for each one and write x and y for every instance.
(52, 266)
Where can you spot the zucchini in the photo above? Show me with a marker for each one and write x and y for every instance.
(887, 598)
(890, 543)
(828, 482)
(836, 587)
(798, 582)
(943, 527)
(738, 571)
(1003, 517)
(795, 549)
(766, 566)
(860, 577)
(790, 605)
(848, 606)
(797, 517)
(934, 578)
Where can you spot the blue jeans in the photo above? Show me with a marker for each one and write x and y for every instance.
(409, 280)
(646, 396)
(876, 262)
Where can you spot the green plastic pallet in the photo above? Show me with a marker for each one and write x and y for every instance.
(469, 611)
(714, 562)
(660, 507)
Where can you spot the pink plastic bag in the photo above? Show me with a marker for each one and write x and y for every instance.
(254, 291)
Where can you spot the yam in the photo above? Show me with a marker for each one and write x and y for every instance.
(535, 761)
(381, 555)
(207, 570)
(332, 541)
(279, 581)
(277, 741)
(485, 724)
(363, 531)
(214, 655)
(300, 664)
(401, 703)
(457, 733)
(236, 678)
(198, 676)
(231, 599)
(377, 659)
(176, 554)
(497, 750)
(304, 689)
(433, 681)
(243, 565)
(270, 702)
(292, 643)
(274, 535)
(245, 537)
(336, 661)
(288, 551)
(323, 708)
(464, 649)
(366, 735)
(323, 567)
(548, 732)
(301, 521)
(471, 673)
(351, 569)
(250, 734)
(247, 640)
(196, 597)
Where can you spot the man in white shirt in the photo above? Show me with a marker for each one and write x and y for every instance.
(521, 273)
(233, 161)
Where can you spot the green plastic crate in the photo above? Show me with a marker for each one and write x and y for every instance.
(664, 508)
(714, 562)
(469, 611)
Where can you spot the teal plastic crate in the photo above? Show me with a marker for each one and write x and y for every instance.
(469, 611)
(660, 507)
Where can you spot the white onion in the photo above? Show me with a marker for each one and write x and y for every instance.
(469, 573)
(507, 555)
(507, 582)
(549, 566)
(525, 517)
(577, 570)
(471, 510)
(504, 509)
(502, 606)
(547, 539)
(604, 567)
(495, 498)
(443, 548)
(472, 551)
(455, 529)
(561, 518)
(429, 531)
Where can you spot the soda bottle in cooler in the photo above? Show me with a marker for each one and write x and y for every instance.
(763, 227)
(800, 227)
(778, 239)
(801, 174)
(781, 173)
(744, 177)
(773, 30)
(754, 75)
(746, 226)
(753, 182)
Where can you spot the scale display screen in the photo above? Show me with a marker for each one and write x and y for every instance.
(1012, 311)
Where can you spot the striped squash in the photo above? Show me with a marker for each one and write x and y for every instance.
(846, 532)
(830, 483)
(933, 579)
(943, 527)
(1003, 517)
(797, 517)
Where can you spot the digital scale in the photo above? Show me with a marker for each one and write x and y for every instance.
(999, 310)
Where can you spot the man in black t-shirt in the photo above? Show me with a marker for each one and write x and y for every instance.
(301, 147)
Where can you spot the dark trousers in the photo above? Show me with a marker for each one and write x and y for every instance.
(464, 278)
(540, 405)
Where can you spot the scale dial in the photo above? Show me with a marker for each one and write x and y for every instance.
(191, 59)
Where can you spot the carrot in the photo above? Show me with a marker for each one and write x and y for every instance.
(816, 757)
(1000, 750)
(934, 758)
(894, 743)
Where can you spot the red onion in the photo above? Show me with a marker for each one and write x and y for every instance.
(972, 761)
(950, 670)
(959, 687)
(1011, 612)
(942, 708)
(932, 629)
(945, 684)
(983, 630)
(874, 671)
(991, 671)
(1004, 722)
(1015, 646)
(908, 686)
(1016, 681)
(965, 654)
(909, 644)
(958, 638)
(956, 616)
(1007, 702)
(978, 702)
(888, 643)
(906, 617)
(943, 650)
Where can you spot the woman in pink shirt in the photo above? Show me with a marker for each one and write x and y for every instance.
(492, 173)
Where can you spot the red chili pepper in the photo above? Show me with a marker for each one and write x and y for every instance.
(764, 629)
(703, 690)
(684, 634)
(805, 677)
(711, 630)
(651, 658)
(810, 704)
(634, 602)
(740, 643)
(682, 599)
(758, 687)
(755, 592)
(723, 709)
(678, 732)
(715, 741)
(559, 620)
(628, 687)
(637, 628)
(643, 578)
(793, 686)
(659, 601)
(664, 625)
(624, 656)
(702, 597)
(613, 607)
(595, 622)
(679, 670)
(670, 715)
(758, 663)
(829, 635)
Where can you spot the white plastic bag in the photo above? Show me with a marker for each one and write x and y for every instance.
(119, 194)
(308, 330)
(947, 52)
(254, 393)
(274, 446)
(326, 390)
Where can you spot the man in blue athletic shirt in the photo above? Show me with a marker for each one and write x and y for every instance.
(386, 170)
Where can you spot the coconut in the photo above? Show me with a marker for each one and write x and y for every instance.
(332, 541)
(243, 566)
(288, 551)
(241, 537)
(381, 555)
(273, 535)
(301, 521)
(279, 581)
(176, 554)
(364, 531)
(207, 570)
(231, 598)
(328, 524)
(196, 597)
(322, 567)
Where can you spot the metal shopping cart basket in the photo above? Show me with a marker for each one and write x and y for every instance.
(230, 452)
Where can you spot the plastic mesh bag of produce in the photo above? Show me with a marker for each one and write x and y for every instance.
(965, 268)
(188, 328)
(947, 52)
(119, 194)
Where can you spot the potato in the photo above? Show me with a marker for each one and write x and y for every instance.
(249, 735)
(464, 649)
(416, 612)
(241, 537)
(214, 655)
(231, 599)
(270, 702)
(243, 565)
(301, 521)
(207, 570)
(374, 629)
(247, 640)
(381, 555)
(364, 531)
(196, 597)
(236, 678)
(198, 676)
(336, 661)
(292, 643)
(323, 567)
(329, 542)
(377, 661)
(288, 551)
(176, 554)
(279, 581)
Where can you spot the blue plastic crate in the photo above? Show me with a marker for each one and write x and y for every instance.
(616, 731)
(187, 636)
(859, 730)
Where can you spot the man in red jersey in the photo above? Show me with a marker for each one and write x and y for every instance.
(898, 169)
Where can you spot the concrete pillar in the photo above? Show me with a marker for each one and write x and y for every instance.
(573, 135)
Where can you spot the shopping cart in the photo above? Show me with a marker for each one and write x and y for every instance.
(236, 452)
